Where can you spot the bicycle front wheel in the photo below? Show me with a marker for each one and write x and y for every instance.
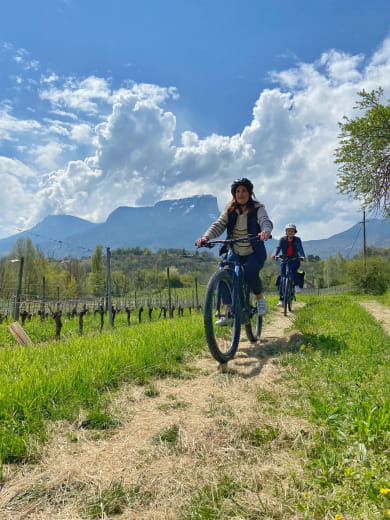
(222, 338)
(255, 323)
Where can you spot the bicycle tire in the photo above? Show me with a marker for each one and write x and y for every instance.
(285, 295)
(221, 340)
(254, 325)
(290, 297)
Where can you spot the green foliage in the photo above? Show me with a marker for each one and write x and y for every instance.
(344, 387)
(370, 275)
(363, 156)
(385, 298)
(334, 270)
(119, 283)
(97, 277)
(378, 251)
(141, 272)
(150, 270)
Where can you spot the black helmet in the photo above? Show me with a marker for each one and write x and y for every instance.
(242, 182)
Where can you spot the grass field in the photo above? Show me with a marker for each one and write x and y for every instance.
(344, 386)
(339, 380)
(53, 380)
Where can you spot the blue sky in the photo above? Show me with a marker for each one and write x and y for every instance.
(115, 103)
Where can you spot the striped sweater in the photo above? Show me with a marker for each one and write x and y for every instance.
(240, 230)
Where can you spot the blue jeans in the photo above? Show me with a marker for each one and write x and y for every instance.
(293, 266)
(252, 265)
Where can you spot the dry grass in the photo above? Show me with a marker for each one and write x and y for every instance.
(176, 446)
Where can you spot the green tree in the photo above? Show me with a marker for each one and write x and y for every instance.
(364, 154)
(24, 247)
(97, 276)
(77, 272)
(71, 289)
(370, 276)
(119, 283)
(334, 270)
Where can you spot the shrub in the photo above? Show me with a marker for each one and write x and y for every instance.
(370, 276)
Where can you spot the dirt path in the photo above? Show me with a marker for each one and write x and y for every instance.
(214, 419)
(380, 312)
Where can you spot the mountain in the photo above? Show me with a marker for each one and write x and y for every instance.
(350, 242)
(170, 224)
(167, 224)
(49, 234)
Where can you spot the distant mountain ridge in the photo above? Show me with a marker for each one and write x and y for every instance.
(48, 234)
(350, 242)
(170, 224)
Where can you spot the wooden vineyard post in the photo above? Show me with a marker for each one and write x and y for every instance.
(19, 334)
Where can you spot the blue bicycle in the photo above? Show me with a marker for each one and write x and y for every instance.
(288, 284)
(229, 304)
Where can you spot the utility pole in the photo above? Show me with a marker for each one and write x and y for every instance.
(364, 240)
(169, 295)
(196, 293)
(108, 284)
(43, 298)
(15, 313)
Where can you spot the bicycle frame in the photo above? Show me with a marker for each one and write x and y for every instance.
(240, 297)
(287, 282)
(227, 289)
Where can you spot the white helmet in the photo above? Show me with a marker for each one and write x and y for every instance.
(291, 226)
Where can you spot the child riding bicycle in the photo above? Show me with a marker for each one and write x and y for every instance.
(244, 216)
(291, 247)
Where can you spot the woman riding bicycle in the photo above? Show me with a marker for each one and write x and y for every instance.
(290, 247)
(244, 216)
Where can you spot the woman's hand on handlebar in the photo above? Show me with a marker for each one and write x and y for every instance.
(201, 242)
(264, 235)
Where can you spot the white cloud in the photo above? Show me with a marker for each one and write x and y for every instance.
(127, 151)
(11, 127)
(14, 168)
(50, 78)
(47, 155)
(82, 133)
(21, 57)
(15, 195)
(342, 67)
(82, 95)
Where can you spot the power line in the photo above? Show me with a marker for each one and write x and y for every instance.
(55, 240)
(353, 245)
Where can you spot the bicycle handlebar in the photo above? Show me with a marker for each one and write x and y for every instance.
(288, 258)
(229, 241)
